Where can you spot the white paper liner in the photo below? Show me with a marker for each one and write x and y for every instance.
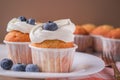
(19, 52)
(84, 42)
(112, 46)
(97, 43)
(53, 60)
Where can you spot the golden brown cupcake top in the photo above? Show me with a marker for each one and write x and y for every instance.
(114, 34)
(88, 27)
(53, 44)
(80, 30)
(102, 30)
(17, 36)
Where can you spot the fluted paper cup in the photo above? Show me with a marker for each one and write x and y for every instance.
(112, 46)
(84, 42)
(97, 43)
(53, 60)
(19, 52)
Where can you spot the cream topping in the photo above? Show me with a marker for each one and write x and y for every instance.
(64, 32)
(22, 26)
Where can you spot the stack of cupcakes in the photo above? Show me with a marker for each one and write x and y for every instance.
(52, 43)
(83, 39)
(17, 39)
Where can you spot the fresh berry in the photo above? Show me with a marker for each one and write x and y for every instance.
(19, 67)
(32, 68)
(6, 64)
(31, 21)
(51, 26)
(22, 18)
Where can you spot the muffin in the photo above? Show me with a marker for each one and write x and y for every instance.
(97, 33)
(83, 40)
(89, 27)
(17, 39)
(102, 30)
(52, 45)
(111, 43)
(80, 30)
(113, 34)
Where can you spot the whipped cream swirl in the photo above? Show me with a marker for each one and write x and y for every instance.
(22, 26)
(64, 32)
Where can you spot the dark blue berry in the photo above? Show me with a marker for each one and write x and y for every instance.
(6, 64)
(18, 67)
(50, 21)
(31, 21)
(22, 18)
(51, 26)
(32, 68)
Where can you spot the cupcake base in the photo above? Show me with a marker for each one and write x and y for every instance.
(53, 60)
(19, 52)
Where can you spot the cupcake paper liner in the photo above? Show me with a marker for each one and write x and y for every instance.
(19, 52)
(112, 46)
(97, 43)
(53, 60)
(84, 42)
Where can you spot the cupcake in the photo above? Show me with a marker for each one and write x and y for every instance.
(89, 27)
(17, 39)
(83, 40)
(102, 30)
(52, 45)
(97, 33)
(111, 43)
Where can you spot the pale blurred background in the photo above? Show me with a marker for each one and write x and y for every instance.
(79, 11)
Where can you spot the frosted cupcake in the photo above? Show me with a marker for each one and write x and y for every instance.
(17, 39)
(97, 33)
(52, 45)
(111, 43)
(83, 40)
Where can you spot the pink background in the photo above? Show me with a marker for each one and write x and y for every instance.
(79, 11)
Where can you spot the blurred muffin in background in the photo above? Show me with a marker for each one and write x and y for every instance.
(88, 27)
(111, 43)
(113, 34)
(80, 30)
(83, 40)
(97, 33)
(102, 30)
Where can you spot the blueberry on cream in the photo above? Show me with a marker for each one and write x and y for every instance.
(22, 18)
(31, 21)
(51, 26)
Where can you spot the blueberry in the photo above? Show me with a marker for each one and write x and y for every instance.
(51, 26)
(32, 68)
(18, 67)
(31, 21)
(50, 21)
(22, 18)
(6, 64)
